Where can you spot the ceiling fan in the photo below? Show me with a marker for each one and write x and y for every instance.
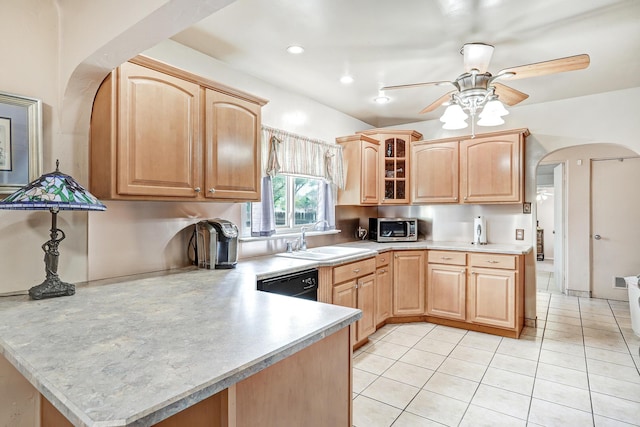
(478, 91)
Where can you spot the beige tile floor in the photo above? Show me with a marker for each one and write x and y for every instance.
(578, 368)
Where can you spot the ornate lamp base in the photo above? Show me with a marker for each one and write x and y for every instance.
(52, 287)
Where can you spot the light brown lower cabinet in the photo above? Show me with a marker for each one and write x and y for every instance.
(478, 291)
(355, 287)
(313, 384)
(447, 291)
(384, 289)
(409, 282)
(492, 297)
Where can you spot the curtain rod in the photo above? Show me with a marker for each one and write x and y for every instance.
(296, 136)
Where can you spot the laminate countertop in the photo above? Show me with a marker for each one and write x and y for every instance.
(136, 351)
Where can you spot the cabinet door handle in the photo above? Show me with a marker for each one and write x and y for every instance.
(356, 286)
(465, 197)
(382, 270)
(197, 189)
(212, 190)
(462, 271)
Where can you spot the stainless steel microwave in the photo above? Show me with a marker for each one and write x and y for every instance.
(393, 229)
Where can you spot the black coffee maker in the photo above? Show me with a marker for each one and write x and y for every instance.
(216, 243)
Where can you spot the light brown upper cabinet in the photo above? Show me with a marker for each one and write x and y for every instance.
(161, 133)
(394, 159)
(434, 169)
(492, 169)
(362, 170)
(485, 169)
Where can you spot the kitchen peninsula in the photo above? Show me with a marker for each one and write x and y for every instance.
(197, 347)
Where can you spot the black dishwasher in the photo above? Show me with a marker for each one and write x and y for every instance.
(302, 284)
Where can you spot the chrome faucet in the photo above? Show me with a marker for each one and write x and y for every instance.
(303, 233)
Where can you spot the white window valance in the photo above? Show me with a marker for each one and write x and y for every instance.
(287, 153)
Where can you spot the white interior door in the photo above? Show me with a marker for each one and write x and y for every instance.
(558, 227)
(615, 231)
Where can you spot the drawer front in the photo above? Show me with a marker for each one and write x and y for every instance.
(508, 262)
(352, 270)
(447, 257)
(383, 259)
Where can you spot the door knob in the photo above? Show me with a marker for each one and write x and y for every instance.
(597, 237)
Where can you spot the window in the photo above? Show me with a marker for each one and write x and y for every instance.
(296, 202)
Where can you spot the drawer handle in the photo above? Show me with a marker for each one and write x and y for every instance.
(382, 270)
(382, 259)
(493, 262)
(445, 257)
(357, 270)
(309, 287)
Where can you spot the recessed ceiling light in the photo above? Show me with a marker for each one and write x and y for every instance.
(381, 99)
(346, 79)
(295, 49)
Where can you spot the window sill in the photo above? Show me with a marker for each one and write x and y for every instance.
(286, 236)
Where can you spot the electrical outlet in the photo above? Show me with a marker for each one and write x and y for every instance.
(519, 234)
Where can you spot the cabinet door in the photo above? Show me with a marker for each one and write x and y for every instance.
(383, 294)
(492, 297)
(395, 187)
(366, 299)
(409, 271)
(491, 168)
(158, 134)
(344, 294)
(232, 149)
(446, 291)
(434, 172)
(370, 179)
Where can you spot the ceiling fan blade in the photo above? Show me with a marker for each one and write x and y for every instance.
(438, 102)
(560, 65)
(477, 56)
(509, 95)
(441, 83)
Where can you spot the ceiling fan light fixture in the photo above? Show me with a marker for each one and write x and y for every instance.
(494, 108)
(489, 120)
(454, 113)
(455, 125)
(477, 56)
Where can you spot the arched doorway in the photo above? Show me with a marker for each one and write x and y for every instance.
(578, 243)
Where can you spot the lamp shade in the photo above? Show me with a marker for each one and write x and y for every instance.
(53, 191)
(454, 113)
(494, 108)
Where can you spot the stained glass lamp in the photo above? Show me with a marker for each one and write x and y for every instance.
(54, 191)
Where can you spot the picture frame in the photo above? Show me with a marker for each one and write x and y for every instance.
(20, 141)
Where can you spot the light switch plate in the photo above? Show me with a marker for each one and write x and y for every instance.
(519, 234)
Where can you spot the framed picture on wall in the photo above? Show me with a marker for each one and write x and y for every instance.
(5, 144)
(20, 141)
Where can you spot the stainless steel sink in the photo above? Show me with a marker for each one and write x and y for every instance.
(325, 253)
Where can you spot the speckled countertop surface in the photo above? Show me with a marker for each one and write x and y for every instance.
(137, 351)
(133, 351)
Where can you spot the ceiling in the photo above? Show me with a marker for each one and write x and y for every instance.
(383, 42)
